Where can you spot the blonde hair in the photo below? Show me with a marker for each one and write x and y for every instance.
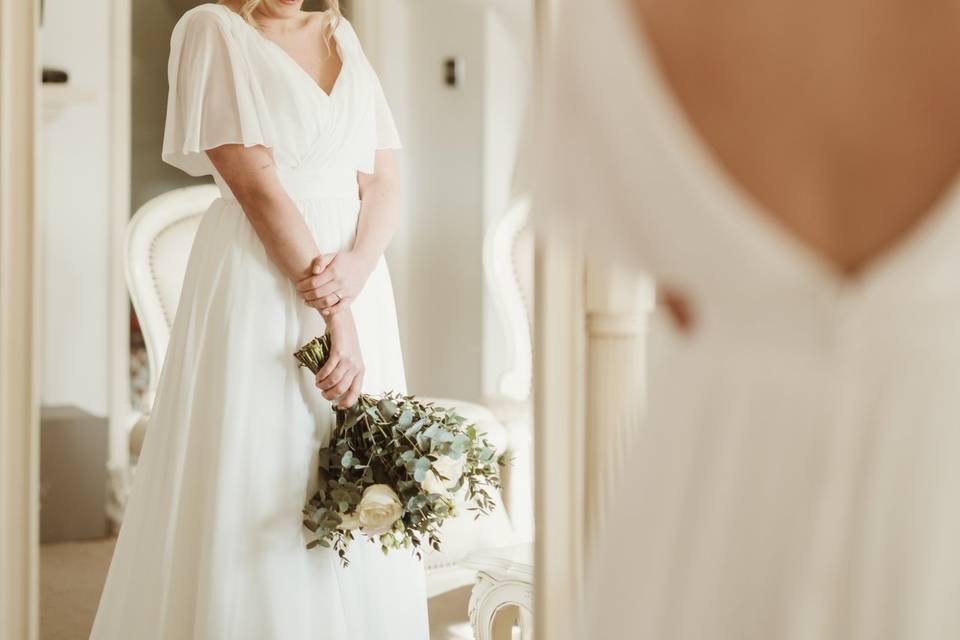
(331, 18)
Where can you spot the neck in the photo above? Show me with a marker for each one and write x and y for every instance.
(278, 24)
(267, 21)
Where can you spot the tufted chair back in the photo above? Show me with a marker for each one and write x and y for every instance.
(159, 237)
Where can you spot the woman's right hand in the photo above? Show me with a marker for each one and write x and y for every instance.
(341, 378)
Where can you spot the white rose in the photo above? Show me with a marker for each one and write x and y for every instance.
(379, 508)
(433, 484)
(350, 521)
(448, 468)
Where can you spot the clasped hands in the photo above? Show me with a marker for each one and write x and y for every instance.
(335, 280)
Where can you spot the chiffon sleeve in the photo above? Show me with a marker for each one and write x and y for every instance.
(214, 98)
(387, 136)
(376, 128)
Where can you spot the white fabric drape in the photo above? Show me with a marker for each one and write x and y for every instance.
(795, 475)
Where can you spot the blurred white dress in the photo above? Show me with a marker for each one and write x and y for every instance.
(212, 546)
(798, 474)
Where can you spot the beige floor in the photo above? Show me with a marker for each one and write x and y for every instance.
(72, 574)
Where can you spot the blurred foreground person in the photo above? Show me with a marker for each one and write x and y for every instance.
(789, 171)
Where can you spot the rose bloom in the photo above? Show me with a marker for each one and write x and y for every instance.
(447, 467)
(379, 508)
(350, 521)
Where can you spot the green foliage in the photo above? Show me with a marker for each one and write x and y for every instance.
(395, 440)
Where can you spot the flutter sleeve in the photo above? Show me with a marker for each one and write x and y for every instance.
(387, 136)
(214, 98)
(376, 128)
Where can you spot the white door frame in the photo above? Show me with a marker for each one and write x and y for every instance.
(20, 281)
(560, 374)
(118, 312)
(559, 448)
(19, 315)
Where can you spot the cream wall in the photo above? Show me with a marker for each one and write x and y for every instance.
(75, 186)
(441, 304)
(153, 21)
(457, 167)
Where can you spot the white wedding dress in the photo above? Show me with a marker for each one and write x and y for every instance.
(798, 473)
(212, 546)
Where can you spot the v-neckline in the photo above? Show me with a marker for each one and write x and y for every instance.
(724, 191)
(306, 74)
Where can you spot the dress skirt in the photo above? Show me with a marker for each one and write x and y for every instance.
(212, 546)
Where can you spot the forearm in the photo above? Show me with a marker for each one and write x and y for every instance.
(290, 245)
(379, 209)
(379, 220)
(338, 278)
(341, 321)
(283, 233)
(251, 176)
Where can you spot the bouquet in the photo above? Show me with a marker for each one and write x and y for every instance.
(392, 470)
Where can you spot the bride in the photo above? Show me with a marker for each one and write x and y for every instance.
(285, 112)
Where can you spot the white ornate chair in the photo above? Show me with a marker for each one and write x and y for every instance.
(159, 237)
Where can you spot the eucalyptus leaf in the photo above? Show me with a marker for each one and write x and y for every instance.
(443, 436)
(352, 420)
(416, 426)
(388, 408)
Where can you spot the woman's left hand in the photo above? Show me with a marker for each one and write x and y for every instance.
(335, 280)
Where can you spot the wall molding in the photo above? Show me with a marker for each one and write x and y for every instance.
(560, 447)
(19, 316)
(619, 304)
(118, 313)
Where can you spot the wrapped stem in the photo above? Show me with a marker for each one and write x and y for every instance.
(314, 354)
